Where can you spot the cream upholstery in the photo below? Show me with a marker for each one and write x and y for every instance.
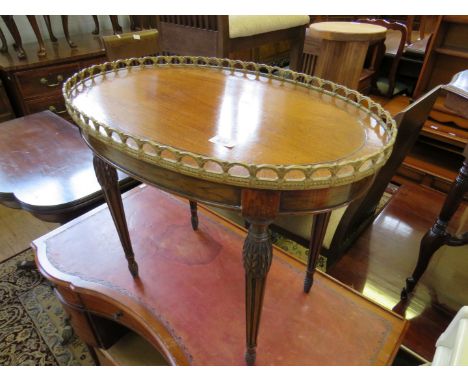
(242, 25)
(297, 224)
(302, 224)
(452, 345)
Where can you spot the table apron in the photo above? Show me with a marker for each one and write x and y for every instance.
(225, 195)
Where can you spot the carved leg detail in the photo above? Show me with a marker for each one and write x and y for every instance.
(96, 25)
(107, 178)
(194, 214)
(319, 227)
(257, 255)
(65, 32)
(42, 51)
(49, 29)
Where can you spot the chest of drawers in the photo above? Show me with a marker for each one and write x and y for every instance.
(34, 84)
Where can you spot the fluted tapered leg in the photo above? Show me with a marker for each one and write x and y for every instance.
(257, 255)
(259, 208)
(317, 234)
(107, 178)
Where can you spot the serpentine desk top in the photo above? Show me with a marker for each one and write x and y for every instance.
(274, 129)
(187, 302)
(46, 168)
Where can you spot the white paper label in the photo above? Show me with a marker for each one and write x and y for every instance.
(226, 142)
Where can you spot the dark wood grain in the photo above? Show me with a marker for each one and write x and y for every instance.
(263, 117)
(188, 302)
(47, 169)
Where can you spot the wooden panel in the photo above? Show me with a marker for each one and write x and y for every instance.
(447, 67)
(55, 104)
(174, 40)
(46, 81)
(444, 134)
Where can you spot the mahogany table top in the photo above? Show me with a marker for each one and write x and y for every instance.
(46, 167)
(216, 116)
(189, 286)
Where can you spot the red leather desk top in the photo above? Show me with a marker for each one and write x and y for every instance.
(192, 283)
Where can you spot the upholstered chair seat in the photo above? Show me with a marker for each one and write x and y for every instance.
(246, 25)
(299, 225)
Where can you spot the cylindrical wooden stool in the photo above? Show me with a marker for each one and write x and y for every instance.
(343, 48)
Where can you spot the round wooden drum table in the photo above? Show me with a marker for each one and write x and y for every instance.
(242, 136)
(343, 49)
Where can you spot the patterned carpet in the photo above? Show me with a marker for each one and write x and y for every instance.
(32, 321)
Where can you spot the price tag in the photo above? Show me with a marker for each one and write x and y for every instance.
(226, 142)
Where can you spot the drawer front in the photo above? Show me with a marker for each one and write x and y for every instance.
(55, 104)
(45, 81)
(92, 61)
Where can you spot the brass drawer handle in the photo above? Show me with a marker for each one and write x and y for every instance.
(54, 110)
(44, 81)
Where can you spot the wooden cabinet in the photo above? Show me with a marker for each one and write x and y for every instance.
(437, 156)
(35, 84)
(6, 112)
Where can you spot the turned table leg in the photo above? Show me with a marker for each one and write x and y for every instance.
(96, 25)
(66, 33)
(319, 227)
(259, 208)
(49, 28)
(116, 28)
(194, 214)
(437, 236)
(107, 178)
(42, 50)
(18, 45)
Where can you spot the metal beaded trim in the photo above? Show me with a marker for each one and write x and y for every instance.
(265, 176)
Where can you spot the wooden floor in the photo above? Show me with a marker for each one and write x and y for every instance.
(18, 229)
(386, 253)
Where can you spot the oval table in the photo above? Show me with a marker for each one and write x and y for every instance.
(242, 136)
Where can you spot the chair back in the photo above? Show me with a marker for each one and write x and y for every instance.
(410, 122)
(377, 60)
(133, 44)
(190, 35)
